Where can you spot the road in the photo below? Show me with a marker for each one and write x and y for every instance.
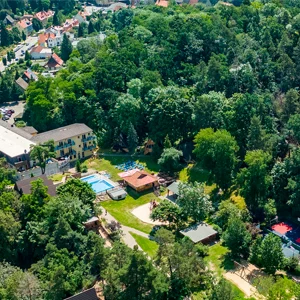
(26, 45)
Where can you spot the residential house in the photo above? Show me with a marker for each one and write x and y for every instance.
(29, 75)
(139, 180)
(69, 24)
(92, 223)
(116, 6)
(21, 84)
(162, 3)
(54, 62)
(50, 39)
(9, 21)
(74, 141)
(25, 25)
(40, 52)
(24, 186)
(82, 16)
(43, 16)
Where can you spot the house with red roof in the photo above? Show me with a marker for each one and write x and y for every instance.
(50, 39)
(54, 62)
(43, 16)
(40, 52)
(139, 180)
(25, 25)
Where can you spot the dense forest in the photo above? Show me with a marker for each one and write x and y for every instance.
(223, 78)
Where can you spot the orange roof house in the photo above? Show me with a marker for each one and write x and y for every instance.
(54, 62)
(43, 38)
(43, 16)
(139, 180)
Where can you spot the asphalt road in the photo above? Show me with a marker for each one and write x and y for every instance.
(26, 45)
(17, 106)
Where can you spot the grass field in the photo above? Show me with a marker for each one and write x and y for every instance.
(121, 210)
(148, 246)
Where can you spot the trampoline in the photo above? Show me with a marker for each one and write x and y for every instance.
(288, 231)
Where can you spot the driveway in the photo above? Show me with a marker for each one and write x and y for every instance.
(17, 106)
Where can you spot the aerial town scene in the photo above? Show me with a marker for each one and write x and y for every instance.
(149, 149)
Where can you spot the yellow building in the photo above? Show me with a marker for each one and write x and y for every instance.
(74, 141)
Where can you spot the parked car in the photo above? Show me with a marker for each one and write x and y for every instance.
(5, 118)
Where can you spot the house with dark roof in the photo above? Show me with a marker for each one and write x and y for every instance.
(89, 294)
(73, 142)
(24, 186)
(54, 62)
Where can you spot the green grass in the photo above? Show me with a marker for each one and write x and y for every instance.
(109, 162)
(217, 256)
(121, 210)
(148, 246)
(56, 177)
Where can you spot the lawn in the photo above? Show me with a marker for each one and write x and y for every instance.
(56, 177)
(218, 259)
(148, 246)
(108, 164)
(121, 210)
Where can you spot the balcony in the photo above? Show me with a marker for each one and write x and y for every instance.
(91, 147)
(88, 138)
(64, 145)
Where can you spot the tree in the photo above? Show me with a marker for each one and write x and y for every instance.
(223, 291)
(237, 238)
(66, 48)
(42, 153)
(37, 24)
(78, 166)
(57, 18)
(78, 188)
(167, 142)
(169, 160)
(168, 212)
(254, 180)
(294, 126)
(132, 138)
(216, 153)
(81, 29)
(256, 135)
(91, 27)
(27, 55)
(194, 201)
(4, 60)
(268, 254)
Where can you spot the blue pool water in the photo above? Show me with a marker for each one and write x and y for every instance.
(98, 185)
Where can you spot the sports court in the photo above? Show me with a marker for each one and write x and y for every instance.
(288, 230)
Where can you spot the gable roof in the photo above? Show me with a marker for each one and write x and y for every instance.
(24, 23)
(37, 49)
(162, 3)
(22, 83)
(30, 74)
(29, 129)
(199, 232)
(138, 178)
(62, 133)
(173, 188)
(10, 19)
(89, 294)
(24, 186)
(43, 15)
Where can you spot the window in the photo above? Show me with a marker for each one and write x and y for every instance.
(89, 133)
(82, 154)
(79, 146)
(74, 155)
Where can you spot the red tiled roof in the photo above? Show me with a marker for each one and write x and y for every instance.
(24, 23)
(37, 49)
(57, 59)
(54, 61)
(162, 3)
(42, 15)
(140, 178)
(192, 2)
(43, 37)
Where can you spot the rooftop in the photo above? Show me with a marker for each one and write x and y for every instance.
(29, 129)
(24, 23)
(24, 186)
(138, 178)
(62, 133)
(42, 15)
(22, 83)
(89, 294)
(199, 232)
(173, 188)
(12, 144)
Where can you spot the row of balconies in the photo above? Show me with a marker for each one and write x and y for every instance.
(64, 145)
(88, 138)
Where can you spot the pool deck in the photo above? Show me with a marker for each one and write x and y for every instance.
(100, 177)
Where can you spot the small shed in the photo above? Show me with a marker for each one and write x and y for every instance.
(117, 193)
(92, 223)
(201, 232)
(173, 188)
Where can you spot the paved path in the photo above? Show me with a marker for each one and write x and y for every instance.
(126, 237)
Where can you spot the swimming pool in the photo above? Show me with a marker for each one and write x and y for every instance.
(97, 183)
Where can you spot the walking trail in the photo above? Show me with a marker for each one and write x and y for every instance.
(126, 236)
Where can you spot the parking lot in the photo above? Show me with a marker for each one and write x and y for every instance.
(16, 106)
